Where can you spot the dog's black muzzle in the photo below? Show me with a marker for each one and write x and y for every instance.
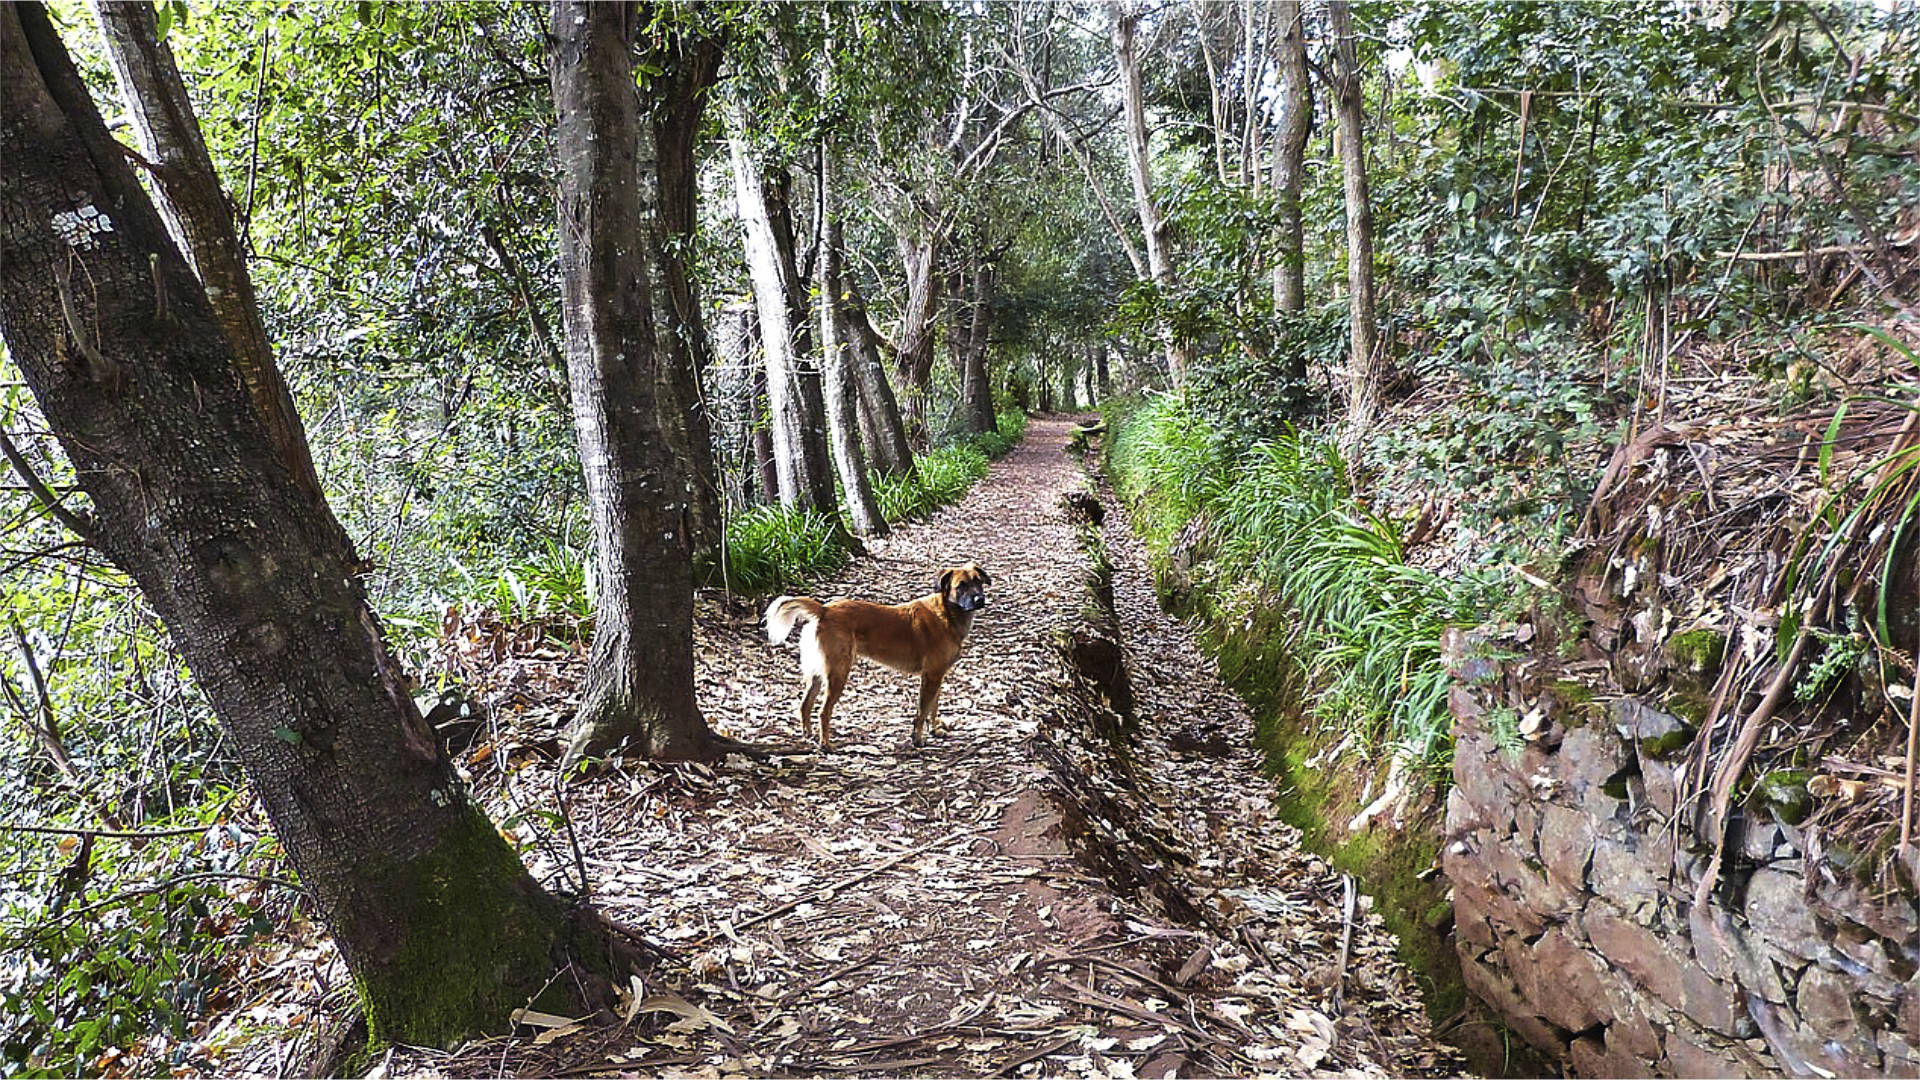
(971, 603)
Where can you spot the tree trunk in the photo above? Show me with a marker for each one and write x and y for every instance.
(736, 378)
(920, 258)
(639, 689)
(688, 65)
(1289, 170)
(198, 215)
(1363, 389)
(1100, 369)
(1152, 226)
(976, 389)
(836, 362)
(441, 926)
(806, 477)
(892, 453)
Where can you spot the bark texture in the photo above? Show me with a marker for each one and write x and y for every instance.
(836, 364)
(793, 388)
(976, 389)
(442, 928)
(914, 343)
(639, 690)
(889, 449)
(1289, 168)
(688, 66)
(1153, 227)
(197, 213)
(1363, 379)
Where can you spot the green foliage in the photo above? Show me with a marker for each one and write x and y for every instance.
(1839, 657)
(772, 547)
(769, 548)
(94, 968)
(1288, 530)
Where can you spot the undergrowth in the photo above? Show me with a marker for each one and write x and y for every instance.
(770, 548)
(1277, 523)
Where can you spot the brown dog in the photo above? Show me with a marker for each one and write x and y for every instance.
(919, 637)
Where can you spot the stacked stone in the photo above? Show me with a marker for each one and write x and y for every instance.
(1573, 908)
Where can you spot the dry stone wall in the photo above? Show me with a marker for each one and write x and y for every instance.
(1573, 883)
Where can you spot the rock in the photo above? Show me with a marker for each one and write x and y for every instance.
(1563, 981)
(1752, 965)
(1566, 845)
(1522, 880)
(1471, 919)
(1909, 1014)
(1621, 875)
(1498, 991)
(1708, 952)
(1591, 757)
(1658, 786)
(1654, 734)
(1826, 1003)
(1482, 777)
(1631, 1027)
(1691, 1053)
(1641, 954)
(1588, 1057)
(1622, 1061)
(1900, 1057)
(1777, 911)
(1758, 839)
(1714, 1005)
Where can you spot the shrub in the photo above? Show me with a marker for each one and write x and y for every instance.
(772, 547)
(1287, 529)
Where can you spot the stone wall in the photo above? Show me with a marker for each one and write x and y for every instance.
(1573, 886)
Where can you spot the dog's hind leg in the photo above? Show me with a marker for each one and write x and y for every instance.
(814, 682)
(929, 705)
(836, 683)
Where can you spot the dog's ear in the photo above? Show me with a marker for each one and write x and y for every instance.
(946, 583)
(984, 578)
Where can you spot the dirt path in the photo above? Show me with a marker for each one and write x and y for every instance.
(885, 911)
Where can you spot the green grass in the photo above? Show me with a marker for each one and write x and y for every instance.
(1286, 528)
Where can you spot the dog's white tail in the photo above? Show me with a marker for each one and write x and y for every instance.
(785, 611)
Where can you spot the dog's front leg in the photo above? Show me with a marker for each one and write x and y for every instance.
(929, 704)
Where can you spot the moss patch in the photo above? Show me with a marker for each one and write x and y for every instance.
(1698, 652)
(465, 937)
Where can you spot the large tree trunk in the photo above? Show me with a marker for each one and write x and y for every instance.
(442, 928)
(198, 214)
(1289, 170)
(805, 476)
(976, 389)
(892, 453)
(1363, 382)
(688, 66)
(639, 688)
(836, 362)
(1152, 226)
(914, 343)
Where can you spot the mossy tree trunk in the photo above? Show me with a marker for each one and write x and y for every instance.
(639, 689)
(440, 925)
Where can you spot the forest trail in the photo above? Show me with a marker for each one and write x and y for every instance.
(884, 911)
